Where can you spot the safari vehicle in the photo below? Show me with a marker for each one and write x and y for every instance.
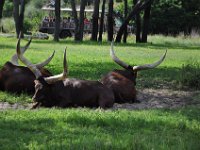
(67, 25)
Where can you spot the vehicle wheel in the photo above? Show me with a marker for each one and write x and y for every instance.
(65, 34)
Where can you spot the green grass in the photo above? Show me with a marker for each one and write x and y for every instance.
(98, 129)
(90, 60)
(14, 98)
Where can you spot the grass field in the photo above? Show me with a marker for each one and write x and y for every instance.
(109, 129)
(98, 129)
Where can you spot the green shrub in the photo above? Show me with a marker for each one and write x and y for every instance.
(190, 75)
(8, 25)
(28, 26)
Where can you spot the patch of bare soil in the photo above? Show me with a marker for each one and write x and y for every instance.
(6, 105)
(149, 98)
(162, 98)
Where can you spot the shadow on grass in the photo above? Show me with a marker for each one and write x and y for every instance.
(95, 71)
(5, 46)
(89, 129)
(151, 45)
(189, 112)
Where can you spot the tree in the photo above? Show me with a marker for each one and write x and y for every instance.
(57, 21)
(138, 25)
(137, 8)
(95, 18)
(171, 17)
(125, 15)
(145, 27)
(1, 11)
(110, 20)
(102, 21)
(1, 8)
(18, 14)
(79, 23)
(74, 14)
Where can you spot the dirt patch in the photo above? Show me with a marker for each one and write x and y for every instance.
(162, 98)
(149, 98)
(6, 105)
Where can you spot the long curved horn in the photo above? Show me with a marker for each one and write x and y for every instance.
(150, 66)
(61, 76)
(31, 66)
(116, 59)
(14, 59)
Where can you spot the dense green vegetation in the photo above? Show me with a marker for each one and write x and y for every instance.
(82, 128)
(171, 16)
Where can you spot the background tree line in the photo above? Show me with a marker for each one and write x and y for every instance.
(147, 16)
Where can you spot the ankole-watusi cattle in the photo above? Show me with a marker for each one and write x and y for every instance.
(64, 92)
(122, 82)
(18, 79)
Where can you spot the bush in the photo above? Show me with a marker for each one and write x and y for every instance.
(8, 25)
(28, 26)
(190, 75)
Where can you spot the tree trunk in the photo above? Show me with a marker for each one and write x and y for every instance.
(138, 25)
(1, 8)
(125, 15)
(74, 14)
(57, 21)
(1, 13)
(16, 16)
(81, 21)
(21, 17)
(95, 19)
(146, 23)
(102, 21)
(110, 20)
(137, 8)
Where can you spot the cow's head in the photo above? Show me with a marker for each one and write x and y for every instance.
(43, 85)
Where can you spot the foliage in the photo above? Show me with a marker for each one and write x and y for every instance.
(175, 16)
(171, 16)
(120, 6)
(38, 4)
(190, 75)
(8, 8)
(8, 25)
(34, 15)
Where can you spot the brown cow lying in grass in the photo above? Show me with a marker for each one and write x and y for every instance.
(18, 79)
(64, 92)
(122, 82)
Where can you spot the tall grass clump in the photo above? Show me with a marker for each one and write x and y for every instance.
(190, 75)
